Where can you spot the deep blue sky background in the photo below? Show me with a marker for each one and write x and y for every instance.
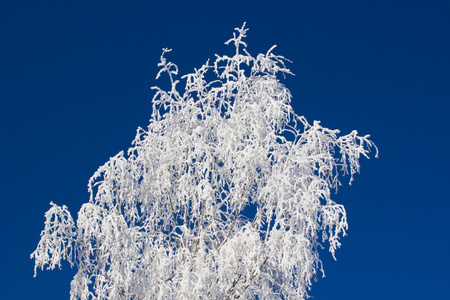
(75, 81)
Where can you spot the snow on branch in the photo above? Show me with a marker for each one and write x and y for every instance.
(56, 239)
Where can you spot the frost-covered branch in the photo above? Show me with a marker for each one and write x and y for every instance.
(57, 239)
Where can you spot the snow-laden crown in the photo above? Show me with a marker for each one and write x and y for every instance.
(225, 195)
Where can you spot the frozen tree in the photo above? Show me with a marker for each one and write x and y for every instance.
(225, 195)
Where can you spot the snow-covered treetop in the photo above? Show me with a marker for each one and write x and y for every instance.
(225, 195)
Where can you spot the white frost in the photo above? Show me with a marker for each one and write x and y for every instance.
(166, 221)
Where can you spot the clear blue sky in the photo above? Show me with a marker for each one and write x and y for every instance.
(75, 81)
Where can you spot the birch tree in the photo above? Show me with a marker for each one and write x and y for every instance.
(226, 194)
